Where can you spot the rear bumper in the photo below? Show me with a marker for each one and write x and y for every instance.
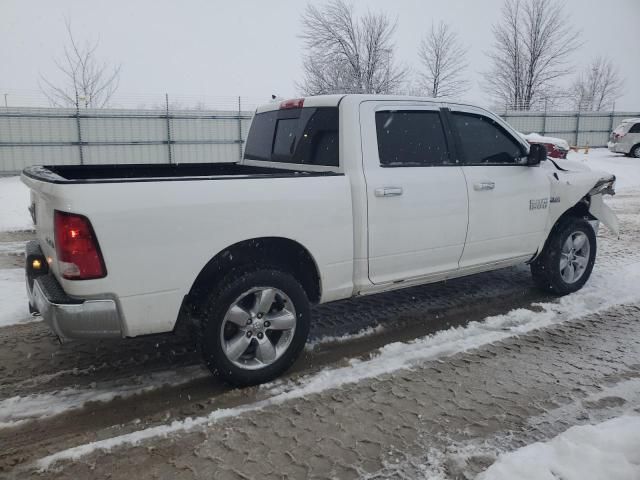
(70, 317)
(617, 148)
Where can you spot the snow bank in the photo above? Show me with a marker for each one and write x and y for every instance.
(14, 201)
(606, 288)
(13, 298)
(609, 450)
(365, 332)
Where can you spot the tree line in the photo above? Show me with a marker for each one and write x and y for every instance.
(531, 52)
(349, 53)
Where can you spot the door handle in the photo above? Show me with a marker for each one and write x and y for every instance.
(388, 192)
(479, 186)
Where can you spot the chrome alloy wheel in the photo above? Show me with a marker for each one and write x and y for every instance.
(258, 328)
(574, 257)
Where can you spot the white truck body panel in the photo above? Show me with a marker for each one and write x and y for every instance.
(419, 228)
(157, 236)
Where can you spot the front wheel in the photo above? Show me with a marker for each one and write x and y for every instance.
(567, 259)
(257, 324)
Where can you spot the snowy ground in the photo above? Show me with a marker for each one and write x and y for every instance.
(14, 201)
(13, 299)
(608, 450)
(480, 388)
(626, 169)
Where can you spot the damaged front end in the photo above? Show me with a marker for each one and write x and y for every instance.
(579, 192)
(600, 210)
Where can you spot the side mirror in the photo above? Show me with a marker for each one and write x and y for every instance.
(537, 154)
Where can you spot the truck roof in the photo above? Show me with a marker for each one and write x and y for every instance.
(334, 100)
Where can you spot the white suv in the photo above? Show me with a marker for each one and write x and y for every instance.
(626, 138)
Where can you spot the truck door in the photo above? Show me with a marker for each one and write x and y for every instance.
(416, 193)
(508, 201)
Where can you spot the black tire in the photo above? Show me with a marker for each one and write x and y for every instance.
(635, 151)
(219, 302)
(546, 270)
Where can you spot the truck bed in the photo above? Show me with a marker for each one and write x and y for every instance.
(69, 174)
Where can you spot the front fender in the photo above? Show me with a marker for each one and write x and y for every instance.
(569, 190)
(602, 212)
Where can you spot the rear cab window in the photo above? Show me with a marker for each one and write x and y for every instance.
(304, 136)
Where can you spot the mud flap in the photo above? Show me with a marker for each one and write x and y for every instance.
(602, 212)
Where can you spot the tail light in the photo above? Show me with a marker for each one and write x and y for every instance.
(617, 136)
(79, 256)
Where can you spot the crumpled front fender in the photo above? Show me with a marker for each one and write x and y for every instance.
(569, 189)
(602, 212)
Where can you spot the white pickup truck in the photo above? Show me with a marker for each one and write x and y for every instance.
(337, 196)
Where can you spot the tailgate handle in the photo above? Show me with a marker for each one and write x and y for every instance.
(484, 186)
(388, 192)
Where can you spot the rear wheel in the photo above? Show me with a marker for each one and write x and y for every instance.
(257, 324)
(567, 259)
(635, 151)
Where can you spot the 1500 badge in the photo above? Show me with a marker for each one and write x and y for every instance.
(538, 204)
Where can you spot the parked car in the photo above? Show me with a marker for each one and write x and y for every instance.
(626, 138)
(337, 196)
(556, 147)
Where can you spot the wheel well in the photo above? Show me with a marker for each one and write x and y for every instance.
(579, 210)
(278, 252)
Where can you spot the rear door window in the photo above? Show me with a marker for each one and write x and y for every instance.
(635, 128)
(411, 138)
(302, 136)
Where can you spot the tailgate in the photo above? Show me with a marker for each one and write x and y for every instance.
(44, 197)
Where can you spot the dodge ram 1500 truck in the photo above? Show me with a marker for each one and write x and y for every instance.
(336, 196)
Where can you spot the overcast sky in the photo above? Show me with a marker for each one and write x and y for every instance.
(251, 47)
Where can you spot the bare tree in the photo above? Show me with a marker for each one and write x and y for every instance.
(345, 54)
(444, 60)
(86, 82)
(598, 86)
(532, 48)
